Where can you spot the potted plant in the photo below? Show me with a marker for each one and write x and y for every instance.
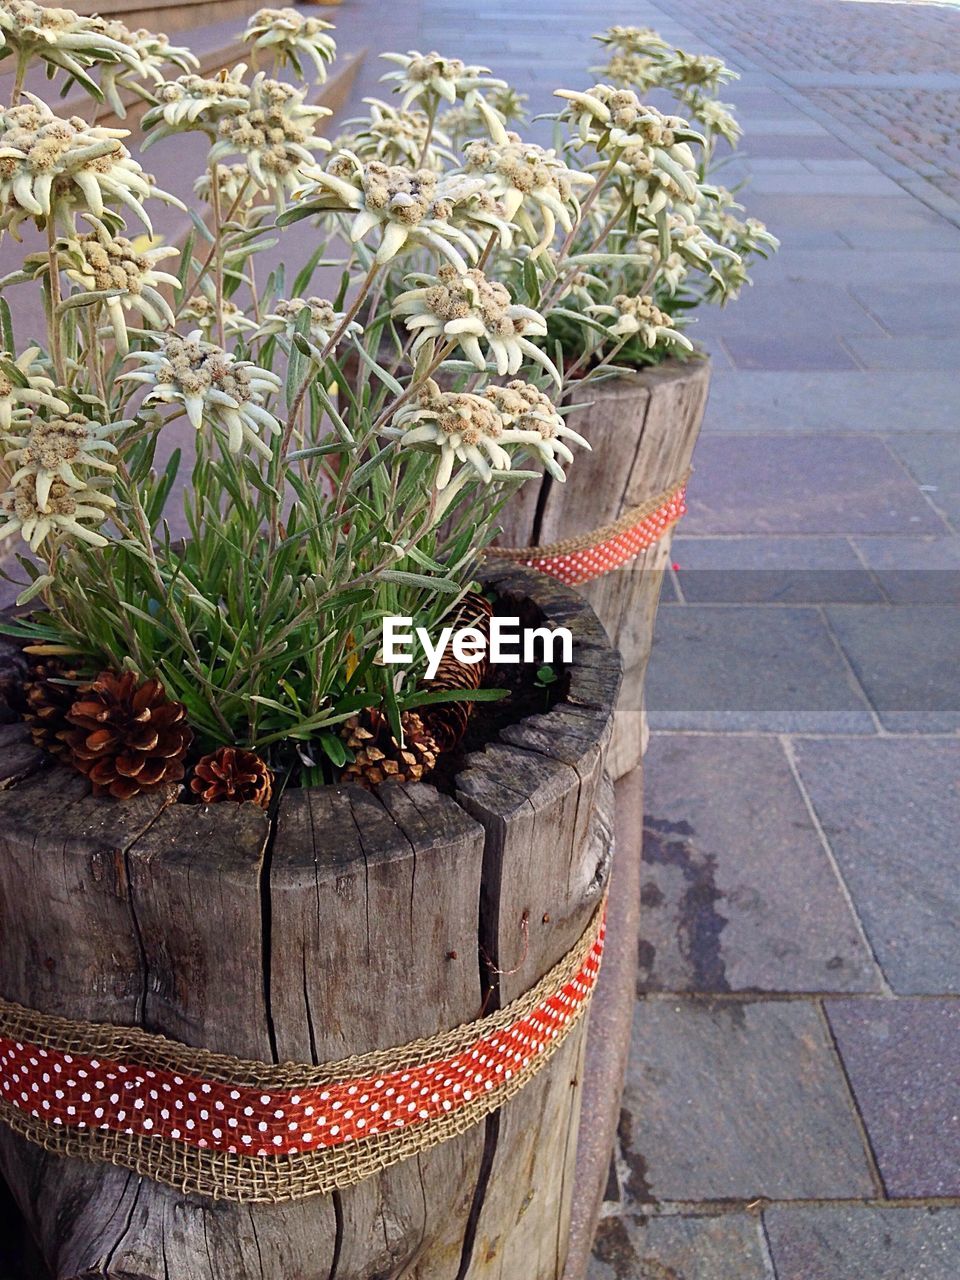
(285, 921)
(657, 238)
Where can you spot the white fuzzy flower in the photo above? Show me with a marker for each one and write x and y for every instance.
(431, 75)
(202, 311)
(698, 71)
(324, 320)
(232, 179)
(49, 165)
(211, 385)
(716, 117)
(60, 38)
(521, 175)
(275, 132)
(633, 40)
(395, 136)
(408, 206)
(24, 388)
(98, 261)
(640, 317)
(288, 34)
(149, 53)
(68, 511)
(471, 309)
(50, 449)
(196, 102)
(528, 410)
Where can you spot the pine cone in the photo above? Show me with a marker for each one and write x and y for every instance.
(128, 737)
(378, 755)
(230, 773)
(46, 703)
(448, 721)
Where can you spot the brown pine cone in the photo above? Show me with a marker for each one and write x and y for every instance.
(46, 702)
(378, 757)
(448, 721)
(127, 737)
(230, 773)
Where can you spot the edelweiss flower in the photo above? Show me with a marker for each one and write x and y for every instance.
(324, 321)
(471, 309)
(196, 102)
(275, 131)
(59, 37)
(633, 39)
(287, 34)
(149, 51)
(527, 409)
(24, 389)
(232, 179)
(201, 310)
(49, 450)
(690, 240)
(716, 117)
(640, 317)
(66, 509)
(633, 70)
(210, 384)
(97, 260)
(429, 74)
(617, 118)
(394, 136)
(46, 162)
(519, 173)
(464, 428)
(697, 70)
(412, 205)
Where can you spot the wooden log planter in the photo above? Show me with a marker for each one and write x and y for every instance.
(608, 529)
(349, 923)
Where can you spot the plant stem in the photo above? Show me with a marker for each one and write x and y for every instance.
(217, 248)
(56, 348)
(432, 117)
(22, 60)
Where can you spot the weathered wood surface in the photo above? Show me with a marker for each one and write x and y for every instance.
(352, 922)
(642, 430)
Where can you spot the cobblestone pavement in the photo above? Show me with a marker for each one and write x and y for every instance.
(793, 1106)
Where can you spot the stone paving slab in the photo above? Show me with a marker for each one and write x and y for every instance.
(735, 1101)
(861, 1242)
(907, 658)
(908, 312)
(679, 1248)
(772, 570)
(831, 402)
(915, 570)
(738, 892)
(901, 1059)
(747, 667)
(905, 352)
(891, 812)
(814, 351)
(934, 461)
(766, 484)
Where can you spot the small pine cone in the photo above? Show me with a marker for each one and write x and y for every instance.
(46, 702)
(378, 757)
(448, 721)
(127, 737)
(230, 773)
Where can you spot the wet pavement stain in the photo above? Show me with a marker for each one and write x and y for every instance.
(637, 1187)
(699, 924)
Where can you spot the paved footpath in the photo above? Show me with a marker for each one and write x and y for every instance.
(793, 1105)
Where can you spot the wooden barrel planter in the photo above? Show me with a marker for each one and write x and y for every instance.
(642, 429)
(349, 923)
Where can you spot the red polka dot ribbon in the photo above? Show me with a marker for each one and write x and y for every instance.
(127, 1101)
(582, 560)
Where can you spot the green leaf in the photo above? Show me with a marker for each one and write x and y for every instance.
(445, 586)
(430, 697)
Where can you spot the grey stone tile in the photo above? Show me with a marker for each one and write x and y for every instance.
(678, 1248)
(915, 570)
(815, 145)
(802, 484)
(734, 1101)
(738, 893)
(853, 266)
(890, 809)
(901, 1059)
(907, 658)
(736, 667)
(772, 570)
(906, 311)
(937, 354)
(844, 183)
(815, 351)
(793, 311)
(935, 462)
(852, 1243)
(833, 401)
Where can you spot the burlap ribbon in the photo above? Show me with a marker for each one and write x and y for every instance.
(591, 555)
(217, 1126)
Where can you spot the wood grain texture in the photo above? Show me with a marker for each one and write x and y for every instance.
(348, 922)
(642, 430)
